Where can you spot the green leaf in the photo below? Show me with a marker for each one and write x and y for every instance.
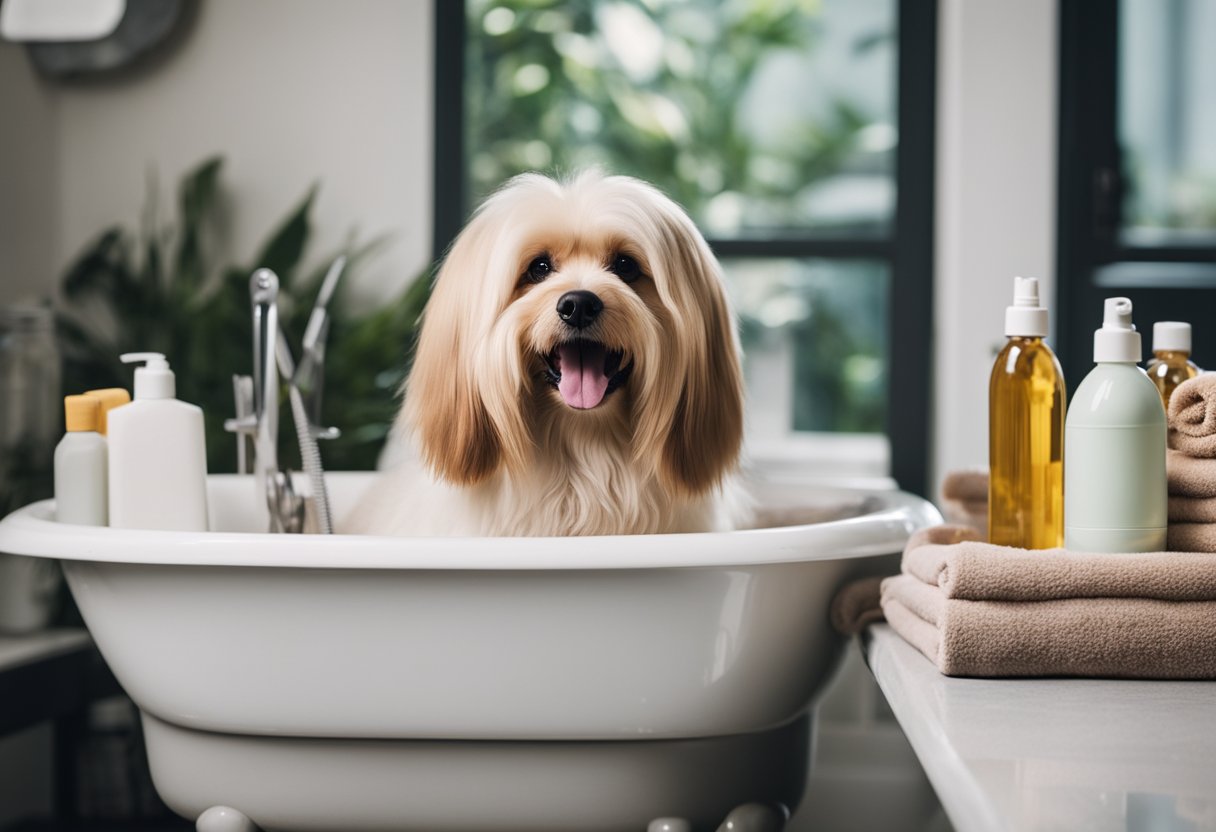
(95, 270)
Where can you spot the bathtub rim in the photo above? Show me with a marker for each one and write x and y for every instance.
(29, 531)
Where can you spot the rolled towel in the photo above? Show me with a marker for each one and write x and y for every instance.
(971, 513)
(953, 561)
(1192, 416)
(1137, 638)
(965, 499)
(1199, 538)
(1192, 509)
(1190, 476)
(966, 486)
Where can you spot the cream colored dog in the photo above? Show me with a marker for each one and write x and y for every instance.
(577, 373)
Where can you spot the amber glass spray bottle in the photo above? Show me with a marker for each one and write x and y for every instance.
(1171, 363)
(1026, 405)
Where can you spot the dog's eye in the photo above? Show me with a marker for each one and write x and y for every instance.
(538, 269)
(626, 268)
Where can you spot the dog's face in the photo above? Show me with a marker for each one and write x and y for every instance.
(581, 307)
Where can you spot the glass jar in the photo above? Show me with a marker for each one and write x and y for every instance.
(31, 412)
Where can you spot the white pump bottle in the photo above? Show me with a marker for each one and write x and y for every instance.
(1114, 448)
(158, 455)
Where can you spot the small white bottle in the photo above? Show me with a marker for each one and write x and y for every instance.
(80, 465)
(158, 454)
(1115, 495)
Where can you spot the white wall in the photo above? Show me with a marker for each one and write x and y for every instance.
(28, 178)
(291, 91)
(996, 197)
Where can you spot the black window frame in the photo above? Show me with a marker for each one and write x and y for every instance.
(907, 248)
(1093, 261)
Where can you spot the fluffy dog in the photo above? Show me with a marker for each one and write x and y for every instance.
(577, 373)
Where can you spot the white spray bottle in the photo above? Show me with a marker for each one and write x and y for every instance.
(158, 454)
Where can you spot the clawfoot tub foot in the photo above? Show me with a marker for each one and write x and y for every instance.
(669, 825)
(756, 817)
(224, 819)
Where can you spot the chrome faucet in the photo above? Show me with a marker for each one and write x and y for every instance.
(261, 422)
(257, 403)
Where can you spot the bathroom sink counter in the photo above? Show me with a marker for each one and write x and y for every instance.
(1036, 754)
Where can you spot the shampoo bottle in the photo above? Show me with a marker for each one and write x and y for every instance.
(158, 457)
(1114, 467)
(1171, 362)
(80, 465)
(1026, 402)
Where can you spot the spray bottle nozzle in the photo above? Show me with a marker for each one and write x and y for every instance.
(1026, 317)
(1026, 291)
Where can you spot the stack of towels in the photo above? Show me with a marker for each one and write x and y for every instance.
(1191, 465)
(975, 609)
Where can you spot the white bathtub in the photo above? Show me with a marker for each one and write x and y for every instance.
(365, 683)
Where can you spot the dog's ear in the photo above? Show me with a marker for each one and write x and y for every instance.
(704, 403)
(450, 421)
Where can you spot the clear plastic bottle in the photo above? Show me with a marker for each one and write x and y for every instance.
(1026, 401)
(1171, 362)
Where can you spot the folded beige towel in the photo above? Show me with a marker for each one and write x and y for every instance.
(1108, 637)
(1192, 537)
(1190, 476)
(1192, 416)
(1192, 509)
(951, 559)
(856, 605)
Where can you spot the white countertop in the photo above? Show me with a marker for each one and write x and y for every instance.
(1055, 754)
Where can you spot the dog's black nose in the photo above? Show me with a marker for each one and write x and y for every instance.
(579, 309)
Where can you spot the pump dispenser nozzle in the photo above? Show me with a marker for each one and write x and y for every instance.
(1117, 340)
(154, 380)
(1027, 318)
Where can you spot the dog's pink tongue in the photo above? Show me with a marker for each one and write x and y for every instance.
(583, 382)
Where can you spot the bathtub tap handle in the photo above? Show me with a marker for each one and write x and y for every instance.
(245, 425)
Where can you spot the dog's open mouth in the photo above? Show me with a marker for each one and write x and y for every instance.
(584, 372)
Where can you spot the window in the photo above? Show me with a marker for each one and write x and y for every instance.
(1137, 168)
(779, 127)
